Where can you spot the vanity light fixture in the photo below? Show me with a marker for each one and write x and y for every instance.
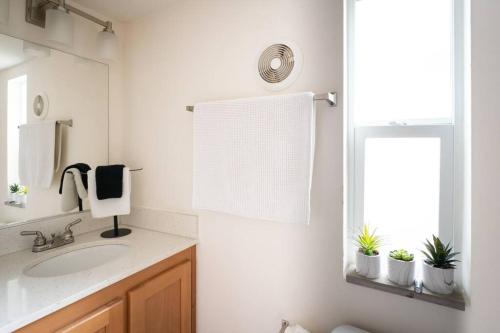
(4, 11)
(107, 43)
(59, 25)
(54, 16)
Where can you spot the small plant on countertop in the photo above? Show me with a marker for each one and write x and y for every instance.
(402, 255)
(14, 188)
(438, 255)
(368, 242)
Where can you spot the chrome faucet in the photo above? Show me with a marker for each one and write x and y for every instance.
(42, 244)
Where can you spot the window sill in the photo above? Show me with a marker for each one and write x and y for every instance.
(14, 204)
(455, 300)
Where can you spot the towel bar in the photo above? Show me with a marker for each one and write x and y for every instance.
(68, 123)
(131, 170)
(329, 97)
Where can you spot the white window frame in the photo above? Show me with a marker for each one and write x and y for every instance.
(451, 133)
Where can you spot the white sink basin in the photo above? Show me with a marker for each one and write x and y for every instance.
(76, 260)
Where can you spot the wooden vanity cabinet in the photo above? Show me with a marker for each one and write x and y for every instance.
(161, 298)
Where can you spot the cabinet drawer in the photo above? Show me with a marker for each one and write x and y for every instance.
(107, 319)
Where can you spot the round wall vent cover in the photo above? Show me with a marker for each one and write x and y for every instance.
(279, 65)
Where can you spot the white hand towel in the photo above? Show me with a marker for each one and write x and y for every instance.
(69, 195)
(37, 153)
(109, 207)
(80, 188)
(254, 157)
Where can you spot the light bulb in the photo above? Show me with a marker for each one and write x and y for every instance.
(59, 26)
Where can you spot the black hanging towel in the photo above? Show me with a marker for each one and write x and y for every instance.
(84, 168)
(109, 181)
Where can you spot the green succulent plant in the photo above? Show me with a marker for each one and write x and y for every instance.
(13, 188)
(402, 255)
(439, 255)
(368, 242)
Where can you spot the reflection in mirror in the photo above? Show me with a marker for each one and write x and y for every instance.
(53, 114)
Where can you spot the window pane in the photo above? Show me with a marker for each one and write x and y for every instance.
(401, 197)
(403, 60)
(16, 115)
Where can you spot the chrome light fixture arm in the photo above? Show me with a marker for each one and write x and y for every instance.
(35, 12)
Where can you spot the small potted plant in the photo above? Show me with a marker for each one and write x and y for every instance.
(13, 189)
(367, 256)
(401, 266)
(439, 266)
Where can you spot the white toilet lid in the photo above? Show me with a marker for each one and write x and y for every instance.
(348, 329)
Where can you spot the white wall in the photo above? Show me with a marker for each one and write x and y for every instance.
(253, 273)
(483, 315)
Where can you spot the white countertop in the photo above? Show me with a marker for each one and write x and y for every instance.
(25, 299)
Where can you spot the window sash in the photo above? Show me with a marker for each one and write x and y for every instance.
(446, 196)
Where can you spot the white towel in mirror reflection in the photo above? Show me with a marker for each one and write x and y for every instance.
(38, 153)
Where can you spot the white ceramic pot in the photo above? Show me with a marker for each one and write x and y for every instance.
(21, 199)
(401, 272)
(368, 266)
(438, 280)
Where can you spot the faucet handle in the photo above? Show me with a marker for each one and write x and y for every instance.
(40, 238)
(67, 229)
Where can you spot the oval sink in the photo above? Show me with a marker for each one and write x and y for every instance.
(77, 260)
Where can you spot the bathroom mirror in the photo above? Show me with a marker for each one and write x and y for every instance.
(42, 85)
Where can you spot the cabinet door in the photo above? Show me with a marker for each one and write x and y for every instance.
(107, 319)
(163, 303)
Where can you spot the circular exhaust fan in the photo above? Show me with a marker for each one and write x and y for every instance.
(279, 65)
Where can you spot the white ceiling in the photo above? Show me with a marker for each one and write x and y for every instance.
(123, 10)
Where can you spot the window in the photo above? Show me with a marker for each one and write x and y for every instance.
(16, 115)
(403, 119)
